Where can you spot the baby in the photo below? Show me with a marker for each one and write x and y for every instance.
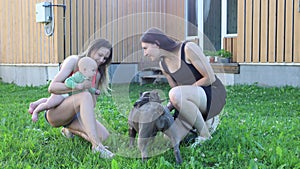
(87, 70)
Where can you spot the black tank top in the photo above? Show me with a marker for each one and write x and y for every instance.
(187, 74)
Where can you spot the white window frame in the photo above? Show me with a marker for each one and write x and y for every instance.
(224, 23)
(200, 23)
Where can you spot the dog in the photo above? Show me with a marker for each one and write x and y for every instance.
(147, 118)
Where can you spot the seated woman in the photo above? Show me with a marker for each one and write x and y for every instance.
(87, 70)
(76, 112)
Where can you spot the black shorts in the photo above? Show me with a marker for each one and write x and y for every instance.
(216, 95)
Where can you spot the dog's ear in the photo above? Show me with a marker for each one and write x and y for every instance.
(154, 92)
(154, 96)
(145, 94)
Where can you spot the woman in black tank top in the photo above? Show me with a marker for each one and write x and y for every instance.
(196, 92)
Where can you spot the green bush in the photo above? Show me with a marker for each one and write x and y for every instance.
(224, 53)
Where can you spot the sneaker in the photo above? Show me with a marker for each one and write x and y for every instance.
(199, 140)
(104, 153)
(212, 124)
(66, 133)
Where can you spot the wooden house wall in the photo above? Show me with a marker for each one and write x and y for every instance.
(23, 41)
(268, 32)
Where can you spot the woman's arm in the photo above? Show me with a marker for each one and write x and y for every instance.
(96, 86)
(195, 56)
(57, 85)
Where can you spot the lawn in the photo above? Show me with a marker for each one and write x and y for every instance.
(259, 129)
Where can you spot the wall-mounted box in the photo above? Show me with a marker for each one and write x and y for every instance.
(43, 12)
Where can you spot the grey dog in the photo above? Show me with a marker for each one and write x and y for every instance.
(148, 117)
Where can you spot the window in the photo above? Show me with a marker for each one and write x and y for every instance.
(231, 17)
(192, 13)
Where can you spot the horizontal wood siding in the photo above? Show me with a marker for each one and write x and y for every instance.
(268, 32)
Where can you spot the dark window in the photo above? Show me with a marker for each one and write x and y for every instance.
(232, 16)
(192, 13)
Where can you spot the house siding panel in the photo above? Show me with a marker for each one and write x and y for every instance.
(268, 31)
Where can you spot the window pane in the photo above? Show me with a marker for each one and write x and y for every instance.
(232, 16)
(192, 18)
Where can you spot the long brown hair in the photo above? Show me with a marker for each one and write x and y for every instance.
(156, 36)
(103, 68)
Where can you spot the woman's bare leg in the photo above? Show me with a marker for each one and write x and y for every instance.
(65, 112)
(33, 105)
(190, 105)
(51, 102)
(76, 128)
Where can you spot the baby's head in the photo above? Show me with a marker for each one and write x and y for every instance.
(87, 66)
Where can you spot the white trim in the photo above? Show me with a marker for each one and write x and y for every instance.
(223, 21)
(29, 65)
(200, 10)
(230, 36)
(270, 64)
(186, 19)
(191, 37)
(200, 17)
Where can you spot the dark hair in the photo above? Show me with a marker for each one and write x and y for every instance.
(156, 36)
(97, 44)
(103, 68)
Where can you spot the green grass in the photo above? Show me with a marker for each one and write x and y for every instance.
(259, 129)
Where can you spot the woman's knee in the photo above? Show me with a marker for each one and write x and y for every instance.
(81, 98)
(175, 96)
(85, 96)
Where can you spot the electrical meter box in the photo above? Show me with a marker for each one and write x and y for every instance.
(43, 12)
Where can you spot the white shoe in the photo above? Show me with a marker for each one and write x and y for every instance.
(212, 124)
(66, 133)
(199, 140)
(104, 153)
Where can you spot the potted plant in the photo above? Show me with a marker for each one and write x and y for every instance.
(211, 55)
(225, 56)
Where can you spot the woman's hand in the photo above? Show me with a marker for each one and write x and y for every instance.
(98, 92)
(170, 106)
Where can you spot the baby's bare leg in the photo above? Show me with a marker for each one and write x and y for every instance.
(33, 105)
(52, 101)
